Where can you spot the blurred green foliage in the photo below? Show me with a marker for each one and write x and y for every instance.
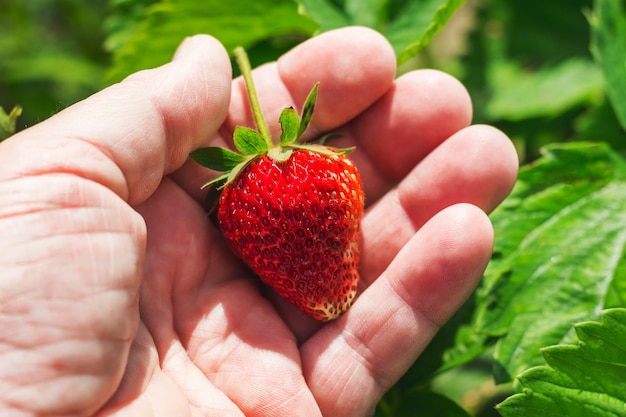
(527, 63)
(51, 54)
(549, 74)
(530, 71)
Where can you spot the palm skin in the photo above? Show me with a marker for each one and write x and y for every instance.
(119, 297)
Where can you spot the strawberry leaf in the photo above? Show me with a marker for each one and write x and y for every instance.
(307, 110)
(402, 31)
(153, 39)
(560, 253)
(249, 141)
(290, 124)
(218, 159)
(579, 381)
(409, 25)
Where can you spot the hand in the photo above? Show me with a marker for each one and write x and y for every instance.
(119, 297)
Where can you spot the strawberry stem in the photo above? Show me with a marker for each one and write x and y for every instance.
(246, 70)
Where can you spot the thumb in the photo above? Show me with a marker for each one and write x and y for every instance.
(72, 249)
(129, 135)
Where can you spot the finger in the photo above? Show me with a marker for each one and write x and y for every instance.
(458, 171)
(477, 165)
(128, 135)
(354, 66)
(350, 363)
(420, 111)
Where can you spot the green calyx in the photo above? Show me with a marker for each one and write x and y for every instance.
(252, 144)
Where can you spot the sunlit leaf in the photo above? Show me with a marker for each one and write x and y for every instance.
(561, 241)
(417, 25)
(239, 23)
(409, 25)
(586, 380)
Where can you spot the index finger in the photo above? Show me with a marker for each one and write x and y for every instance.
(355, 66)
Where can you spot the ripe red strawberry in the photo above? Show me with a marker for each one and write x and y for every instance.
(291, 211)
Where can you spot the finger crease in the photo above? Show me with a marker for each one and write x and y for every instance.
(366, 357)
(403, 294)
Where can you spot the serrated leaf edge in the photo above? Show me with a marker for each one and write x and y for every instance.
(527, 392)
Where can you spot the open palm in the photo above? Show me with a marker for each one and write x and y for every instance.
(118, 296)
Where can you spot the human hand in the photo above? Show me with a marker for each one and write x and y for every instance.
(118, 296)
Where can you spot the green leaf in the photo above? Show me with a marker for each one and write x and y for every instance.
(290, 123)
(409, 25)
(600, 121)
(124, 20)
(238, 23)
(249, 141)
(307, 110)
(520, 94)
(526, 38)
(608, 28)
(7, 122)
(369, 13)
(586, 380)
(561, 241)
(416, 27)
(326, 13)
(520, 348)
(420, 403)
(218, 159)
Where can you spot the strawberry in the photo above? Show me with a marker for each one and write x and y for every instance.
(291, 211)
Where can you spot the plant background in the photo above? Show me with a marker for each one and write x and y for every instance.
(552, 75)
